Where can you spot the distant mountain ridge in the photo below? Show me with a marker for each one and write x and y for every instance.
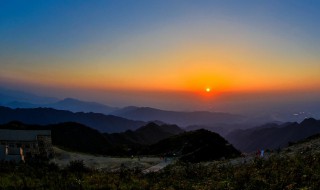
(69, 104)
(180, 118)
(18, 99)
(46, 116)
(75, 105)
(273, 136)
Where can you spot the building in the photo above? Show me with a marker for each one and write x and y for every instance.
(22, 145)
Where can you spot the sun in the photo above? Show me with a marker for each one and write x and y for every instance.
(208, 89)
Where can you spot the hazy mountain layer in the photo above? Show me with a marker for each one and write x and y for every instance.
(45, 116)
(182, 119)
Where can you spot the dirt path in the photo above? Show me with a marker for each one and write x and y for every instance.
(63, 158)
(159, 166)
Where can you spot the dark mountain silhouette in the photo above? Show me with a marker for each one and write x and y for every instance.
(182, 119)
(45, 116)
(273, 136)
(78, 137)
(195, 146)
(17, 125)
(200, 145)
(70, 136)
(148, 134)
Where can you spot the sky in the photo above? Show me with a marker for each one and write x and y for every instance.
(162, 53)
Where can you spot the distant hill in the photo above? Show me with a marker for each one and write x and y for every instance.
(146, 135)
(46, 116)
(75, 105)
(182, 119)
(19, 99)
(195, 146)
(273, 136)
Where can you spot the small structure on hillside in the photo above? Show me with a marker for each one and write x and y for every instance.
(22, 145)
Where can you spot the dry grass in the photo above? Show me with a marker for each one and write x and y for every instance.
(63, 158)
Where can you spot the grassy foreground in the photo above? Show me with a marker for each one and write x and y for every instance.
(280, 171)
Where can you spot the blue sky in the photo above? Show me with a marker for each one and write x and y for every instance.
(51, 26)
(159, 46)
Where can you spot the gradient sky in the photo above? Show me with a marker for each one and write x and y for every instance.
(160, 53)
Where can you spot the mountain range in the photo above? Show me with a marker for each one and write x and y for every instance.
(146, 114)
(195, 146)
(18, 99)
(46, 116)
(273, 136)
(69, 104)
(154, 139)
(180, 118)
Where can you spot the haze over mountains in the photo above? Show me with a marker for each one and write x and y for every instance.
(275, 111)
(145, 114)
(108, 119)
(19, 99)
(246, 133)
(182, 119)
(7, 96)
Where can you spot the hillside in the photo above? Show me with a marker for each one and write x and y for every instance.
(273, 136)
(77, 137)
(148, 134)
(195, 146)
(80, 138)
(46, 116)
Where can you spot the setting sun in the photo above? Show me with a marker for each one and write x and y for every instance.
(208, 89)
